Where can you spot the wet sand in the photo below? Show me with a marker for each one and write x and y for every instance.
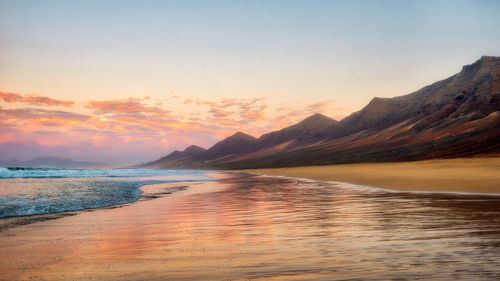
(249, 227)
(475, 175)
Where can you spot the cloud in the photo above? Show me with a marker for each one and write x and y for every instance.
(253, 111)
(130, 105)
(33, 99)
(319, 106)
(41, 114)
(220, 113)
(302, 112)
(244, 110)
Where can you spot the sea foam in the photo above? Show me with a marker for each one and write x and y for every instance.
(33, 191)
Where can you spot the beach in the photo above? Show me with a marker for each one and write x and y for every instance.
(243, 226)
(473, 175)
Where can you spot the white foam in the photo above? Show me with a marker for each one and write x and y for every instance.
(42, 190)
(15, 172)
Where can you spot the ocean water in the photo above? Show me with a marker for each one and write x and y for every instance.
(35, 191)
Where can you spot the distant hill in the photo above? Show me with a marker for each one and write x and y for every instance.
(52, 162)
(455, 117)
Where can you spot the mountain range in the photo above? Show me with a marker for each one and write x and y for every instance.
(455, 117)
(56, 162)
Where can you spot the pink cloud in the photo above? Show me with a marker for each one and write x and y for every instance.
(219, 113)
(319, 106)
(39, 114)
(33, 99)
(130, 105)
(245, 110)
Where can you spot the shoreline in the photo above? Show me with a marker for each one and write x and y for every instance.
(45, 247)
(339, 173)
(247, 227)
(377, 188)
(466, 176)
(462, 175)
(149, 192)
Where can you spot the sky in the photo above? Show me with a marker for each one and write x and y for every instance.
(131, 81)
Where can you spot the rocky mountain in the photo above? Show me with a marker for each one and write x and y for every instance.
(455, 117)
(472, 92)
(236, 144)
(308, 130)
(195, 156)
(241, 144)
(177, 158)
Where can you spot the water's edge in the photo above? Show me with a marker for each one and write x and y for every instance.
(8, 222)
(376, 188)
(14, 221)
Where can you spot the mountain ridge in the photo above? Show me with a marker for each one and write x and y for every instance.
(51, 161)
(444, 119)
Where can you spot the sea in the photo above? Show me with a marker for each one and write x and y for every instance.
(45, 190)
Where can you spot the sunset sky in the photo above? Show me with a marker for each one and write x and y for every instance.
(130, 81)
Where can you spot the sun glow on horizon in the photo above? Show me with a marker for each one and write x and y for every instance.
(138, 126)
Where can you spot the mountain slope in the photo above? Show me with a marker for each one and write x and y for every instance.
(472, 92)
(176, 158)
(195, 156)
(308, 130)
(235, 144)
(240, 144)
(456, 117)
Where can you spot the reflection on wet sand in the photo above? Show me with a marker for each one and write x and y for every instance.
(256, 227)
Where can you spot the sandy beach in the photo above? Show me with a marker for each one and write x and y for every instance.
(117, 243)
(475, 175)
(250, 227)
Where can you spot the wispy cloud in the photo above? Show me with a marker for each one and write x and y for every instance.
(36, 113)
(130, 105)
(244, 110)
(33, 99)
(319, 107)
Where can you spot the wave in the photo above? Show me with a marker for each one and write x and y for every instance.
(37, 191)
(43, 168)
(47, 172)
(74, 197)
(79, 196)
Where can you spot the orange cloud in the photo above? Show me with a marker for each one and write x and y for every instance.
(130, 105)
(33, 99)
(41, 114)
(294, 113)
(253, 111)
(32, 119)
(319, 106)
(249, 110)
(219, 113)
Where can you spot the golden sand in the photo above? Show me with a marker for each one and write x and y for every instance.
(260, 228)
(133, 242)
(477, 175)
